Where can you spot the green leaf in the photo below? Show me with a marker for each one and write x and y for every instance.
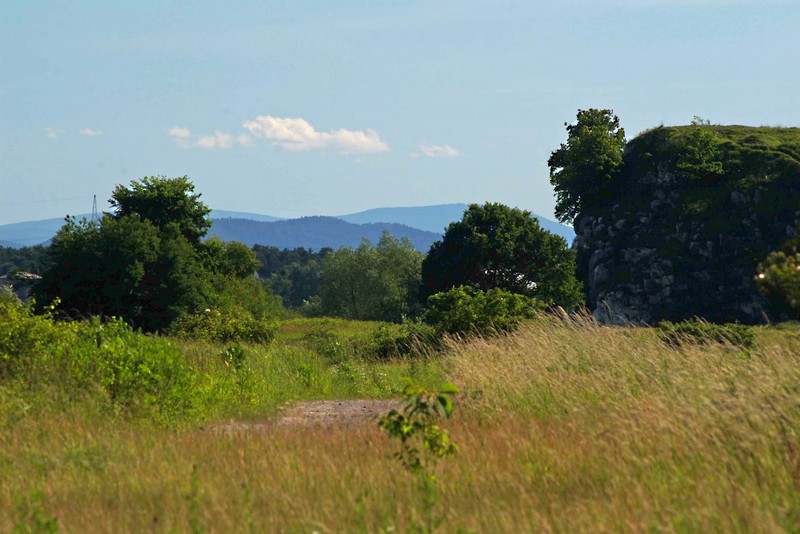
(448, 388)
(446, 404)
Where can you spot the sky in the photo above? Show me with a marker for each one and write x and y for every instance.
(298, 108)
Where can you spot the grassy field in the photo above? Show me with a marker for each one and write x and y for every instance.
(562, 426)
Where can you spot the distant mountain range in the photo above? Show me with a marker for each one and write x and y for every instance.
(429, 218)
(422, 225)
(224, 214)
(315, 233)
(437, 218)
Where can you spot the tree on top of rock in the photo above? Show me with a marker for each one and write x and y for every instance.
(583, 171)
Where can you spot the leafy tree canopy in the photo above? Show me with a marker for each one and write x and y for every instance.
(122, 267)
(146, 263)
(294, 274)
(229, 258)
(701, 155)
(30, 259)
(372, 282)
(495, 246)
(162, 201)
(583, 171)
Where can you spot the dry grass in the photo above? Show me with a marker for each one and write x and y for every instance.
(562, 427)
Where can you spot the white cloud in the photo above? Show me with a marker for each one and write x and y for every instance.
(297, 135)
(181, 136)
(52, 133)
(90, 132)
(439, 151)
(218, 140)
(179, 132)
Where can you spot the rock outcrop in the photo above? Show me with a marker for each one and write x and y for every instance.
(674, 246)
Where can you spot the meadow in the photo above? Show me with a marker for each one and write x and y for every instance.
(562, 425)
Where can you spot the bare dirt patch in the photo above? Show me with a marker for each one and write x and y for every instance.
(326, 413)
(335, 412)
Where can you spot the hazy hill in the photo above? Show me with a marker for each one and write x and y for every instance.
(436, 218)
(314, 233)
(429, 218)
(225, 214)
(30, 233)
(424, 218)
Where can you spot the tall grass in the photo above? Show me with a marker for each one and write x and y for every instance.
(562, 426)
(610, 429)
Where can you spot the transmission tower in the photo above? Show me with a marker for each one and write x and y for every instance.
(94, 209)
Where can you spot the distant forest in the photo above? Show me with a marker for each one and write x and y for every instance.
(30, 259)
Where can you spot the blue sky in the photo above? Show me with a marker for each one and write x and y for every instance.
(300, 108)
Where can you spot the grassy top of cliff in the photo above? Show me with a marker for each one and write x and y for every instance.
(733, 172)
(748, 155)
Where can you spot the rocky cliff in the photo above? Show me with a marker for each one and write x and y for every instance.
(676, 244)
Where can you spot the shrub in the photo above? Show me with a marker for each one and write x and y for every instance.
(234, 324)
(466, 310)
(27, 342)
(779, 279)
(699, 332)
(329, 345)
(108, 363)
(410, 337)
(140, 375)
(235, 357)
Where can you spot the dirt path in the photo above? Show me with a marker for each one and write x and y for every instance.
(335, 413)
(327, 413)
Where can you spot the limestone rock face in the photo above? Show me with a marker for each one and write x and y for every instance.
(672, 248)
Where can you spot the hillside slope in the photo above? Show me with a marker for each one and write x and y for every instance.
(437, 218)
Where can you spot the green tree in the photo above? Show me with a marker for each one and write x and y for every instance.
(122, 267)
(229, 258)
(29, 259)
(700, 155)
(371, 282)
(297, 282)
(164, 201)
(778, 278)
(584, 171)
(176, 283)
(495, 246)
(143, 263)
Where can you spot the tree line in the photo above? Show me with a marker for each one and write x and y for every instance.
(148, 262)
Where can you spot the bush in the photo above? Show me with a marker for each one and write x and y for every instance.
(330, 346)
(779, 279)
(27, 342)
(234, 324)
(466, 310)
(137, 374)
(410, 337)
(245, 294)
(108, 363)
(699, 332)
